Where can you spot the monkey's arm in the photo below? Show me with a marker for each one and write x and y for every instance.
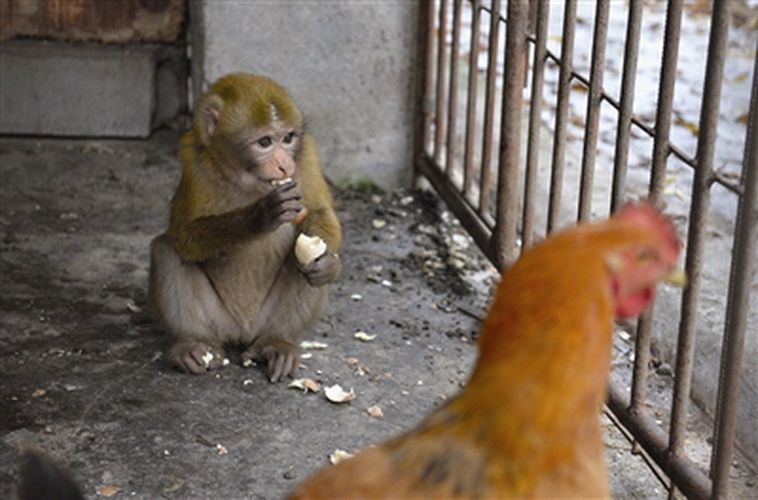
(321, 219)
(211, 236)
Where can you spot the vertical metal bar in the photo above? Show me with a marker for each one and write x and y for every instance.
(561, 115)
(666, 97)
(424, 50)
(452, 110)
(535, 122)
(698, 214)
(593, 110)
(473, 74)
(657, 178)
(631, 53)
(504, 236)
(738, 305)
(439, 98)
(489, 109)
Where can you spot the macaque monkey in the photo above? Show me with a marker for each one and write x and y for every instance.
(225, 271)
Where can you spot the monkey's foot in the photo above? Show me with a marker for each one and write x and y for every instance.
(282, 359)
(193, 356)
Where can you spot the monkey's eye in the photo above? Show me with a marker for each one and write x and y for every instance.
(265, 141)
(289, 137)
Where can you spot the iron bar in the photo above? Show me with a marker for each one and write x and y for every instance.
(660, 161)
(424, 51)
(631, 55)
(452, 110)
(535, 120)
(593, 110)
(673, 149)
(506, 250)
(698, 216)
(738, 304)
(439, 115)
(561, 116)
(687, 475)
(473, 74)
(489, 110)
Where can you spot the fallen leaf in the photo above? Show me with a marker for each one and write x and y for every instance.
(39, 393)
(108, 491)
(692, 127)
(339, 456)
(305, 384)
(363, 336)
(743, 119)
(313, 344)
(336, 394)
(375, 411)
(579, 87)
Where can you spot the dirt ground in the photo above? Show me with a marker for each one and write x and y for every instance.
(82, 378)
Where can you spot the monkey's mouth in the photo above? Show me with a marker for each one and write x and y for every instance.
(281, 182)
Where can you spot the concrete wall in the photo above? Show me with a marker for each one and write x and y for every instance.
(348, 64)
(89, 90)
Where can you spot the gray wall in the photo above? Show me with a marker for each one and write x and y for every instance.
(348, 64)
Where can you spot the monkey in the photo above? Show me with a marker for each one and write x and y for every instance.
(224, 272)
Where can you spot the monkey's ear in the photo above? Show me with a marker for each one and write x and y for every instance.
(207, 117)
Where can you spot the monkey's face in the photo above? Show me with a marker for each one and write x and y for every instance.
(268, 155)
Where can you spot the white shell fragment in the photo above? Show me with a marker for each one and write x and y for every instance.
(375, 411)
(336, 394)
(356, 297)
(364, 337)
(339, 456)
(378, 223)
(309, 248)
(207, 358)
(281, 182)
(305, 384)
(313, 344)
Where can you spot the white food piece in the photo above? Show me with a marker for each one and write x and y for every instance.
(356, 297)
(306, 355)
(281, 182)
(309, 248)
(386, 283)
(339, 456)
(248, 362)
(221, 449)
(207, 358)
(336, 394)
(305, 384)
(375, 411)
(313, 344)
(378, 223)
(247, 381)
(364, 337)
(225, 362)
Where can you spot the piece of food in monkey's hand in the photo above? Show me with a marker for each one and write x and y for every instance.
(309, 248)
(207, 358)
(339, 456)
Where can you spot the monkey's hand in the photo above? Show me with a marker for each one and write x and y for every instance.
(281, 357)
(281, 205)
(326, 269)
(194, 356)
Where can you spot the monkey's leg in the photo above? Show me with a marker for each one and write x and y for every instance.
(289, 309)
(184, 300)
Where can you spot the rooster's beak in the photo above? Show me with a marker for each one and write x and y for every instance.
(677, 277)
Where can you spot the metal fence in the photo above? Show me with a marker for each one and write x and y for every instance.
(483, 178)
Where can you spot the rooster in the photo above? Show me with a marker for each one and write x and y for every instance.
(527, 424)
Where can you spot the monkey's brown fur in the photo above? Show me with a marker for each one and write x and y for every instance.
(224, 271)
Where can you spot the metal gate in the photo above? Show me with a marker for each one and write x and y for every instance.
(497, 200)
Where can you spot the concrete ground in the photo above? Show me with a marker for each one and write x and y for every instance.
(82, 378)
